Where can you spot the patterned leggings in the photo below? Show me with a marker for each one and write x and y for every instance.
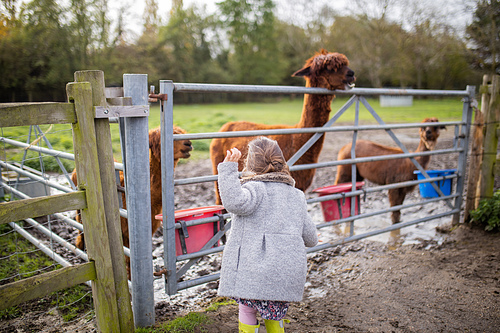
(271, 310)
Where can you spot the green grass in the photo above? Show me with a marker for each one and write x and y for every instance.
(21, 259)
(188, 322)
(184, 324)
(202, 118)
(216, 305)
(73, 302)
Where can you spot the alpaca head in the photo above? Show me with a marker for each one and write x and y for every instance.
(430, 134)
(328, 70)
(182, 148)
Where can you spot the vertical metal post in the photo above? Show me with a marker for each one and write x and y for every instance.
(464, 144)
(167, 181)
(353, 166)
(139, 203)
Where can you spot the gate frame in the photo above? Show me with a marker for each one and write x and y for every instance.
(168, 87)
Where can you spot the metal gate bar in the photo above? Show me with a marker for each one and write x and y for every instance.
(383, 211)
(234, 134)
(49, 233)
(399, 225)
(50, 152)
(205, 179)
(353, 166)
(136, 142)
(269, 89)
(464, 144)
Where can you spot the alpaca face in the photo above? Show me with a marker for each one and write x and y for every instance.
(430, 134)
(182, 148)
(328, 70)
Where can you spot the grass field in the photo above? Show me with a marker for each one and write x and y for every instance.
(202, 118)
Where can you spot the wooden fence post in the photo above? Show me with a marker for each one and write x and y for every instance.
(487, 179)
(96, 235)
(110, 289)
(476, 156)
(110, 197)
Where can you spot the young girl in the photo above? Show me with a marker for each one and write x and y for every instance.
(264, 264)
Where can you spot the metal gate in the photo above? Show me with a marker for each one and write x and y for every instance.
(174, 270)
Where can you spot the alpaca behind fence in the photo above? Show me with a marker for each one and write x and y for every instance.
(388, 171)
(323, 70)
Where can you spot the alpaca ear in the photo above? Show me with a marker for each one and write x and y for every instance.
(306, 71)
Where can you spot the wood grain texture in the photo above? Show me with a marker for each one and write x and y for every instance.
(23, 114)
(38, 286)
(30, 208)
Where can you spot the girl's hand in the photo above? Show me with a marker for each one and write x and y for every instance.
(232, 155)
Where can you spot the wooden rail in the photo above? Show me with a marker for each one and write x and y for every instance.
(15, 114)
(41, 206)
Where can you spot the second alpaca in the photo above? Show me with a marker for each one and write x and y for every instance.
(388, 171)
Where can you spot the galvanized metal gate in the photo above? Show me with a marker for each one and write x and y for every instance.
(173, 272)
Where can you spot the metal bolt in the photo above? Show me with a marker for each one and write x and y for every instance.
(106, 111)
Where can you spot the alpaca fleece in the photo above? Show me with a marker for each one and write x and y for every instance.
(265, 256)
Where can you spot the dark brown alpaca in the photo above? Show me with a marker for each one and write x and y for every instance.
(388, 171)
(323, 70)
(182, 149)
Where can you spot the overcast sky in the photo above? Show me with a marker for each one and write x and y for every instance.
(453, 11)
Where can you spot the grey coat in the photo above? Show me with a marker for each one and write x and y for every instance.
(265, 256)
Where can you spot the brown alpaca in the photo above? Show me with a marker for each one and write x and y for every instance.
(388, 171)
(323, 70)
(181, 150)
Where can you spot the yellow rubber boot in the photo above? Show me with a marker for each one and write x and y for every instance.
(244, 328)
(275, 326)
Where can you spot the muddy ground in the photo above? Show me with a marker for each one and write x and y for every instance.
(367, 287)
(427, 278)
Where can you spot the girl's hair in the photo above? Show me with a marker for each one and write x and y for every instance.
(264, 156)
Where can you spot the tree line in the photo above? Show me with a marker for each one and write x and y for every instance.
(43, 42)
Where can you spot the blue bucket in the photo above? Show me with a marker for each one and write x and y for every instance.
(426, 189)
